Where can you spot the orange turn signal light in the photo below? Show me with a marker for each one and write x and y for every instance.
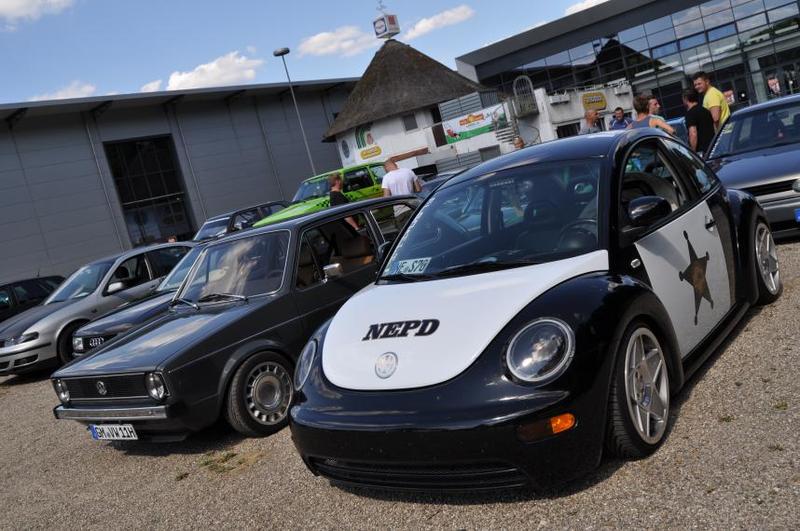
(562, 423)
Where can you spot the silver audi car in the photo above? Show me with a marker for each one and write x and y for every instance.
(43, 334)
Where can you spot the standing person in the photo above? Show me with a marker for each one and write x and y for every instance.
(619, 120)
(399, 181)
(699, 122)
(518, 142)
(589, 124)
(641, 104)
(713, 99)
(654, 107)
(336, 196)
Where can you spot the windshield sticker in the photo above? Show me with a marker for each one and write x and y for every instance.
(413, 266)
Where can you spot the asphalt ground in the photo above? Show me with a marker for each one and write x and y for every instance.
(730, 461)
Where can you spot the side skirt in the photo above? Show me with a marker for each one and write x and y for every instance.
(718, 335)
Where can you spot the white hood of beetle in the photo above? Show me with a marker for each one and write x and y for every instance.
(471, 310)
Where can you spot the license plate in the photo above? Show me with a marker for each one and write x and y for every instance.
(797, 215)
(113, 432)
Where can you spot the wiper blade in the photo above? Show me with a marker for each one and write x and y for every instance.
(213, 296)
(184, 301)
(482, 267)
(406, 277)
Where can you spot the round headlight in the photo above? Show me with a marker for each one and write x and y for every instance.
(304, 364)
(77, 344)
(155, 385)
(541, 351)
(61, 390)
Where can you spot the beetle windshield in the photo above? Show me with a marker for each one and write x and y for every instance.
(179, 272)
(758, 129)
(311, 189)
(82, 282)
(238, 268)
(212, 229)
(533, 214)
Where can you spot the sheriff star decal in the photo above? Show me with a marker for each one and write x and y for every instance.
(695, 275)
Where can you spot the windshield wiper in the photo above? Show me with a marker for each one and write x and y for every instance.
(406, 277)
(215, 296)
(481, 267)
(184, 301)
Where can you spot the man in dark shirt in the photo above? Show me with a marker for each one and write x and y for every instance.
(619, 121)
(699, 122)
(336, 196)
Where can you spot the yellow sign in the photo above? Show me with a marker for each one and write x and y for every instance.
(371, 152)
(593, 101)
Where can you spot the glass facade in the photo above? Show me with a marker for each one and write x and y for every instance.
(750, 48)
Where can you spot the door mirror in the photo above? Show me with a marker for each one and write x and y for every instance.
(333, 270)
(115, 287)
(647, 210)
(383, 249)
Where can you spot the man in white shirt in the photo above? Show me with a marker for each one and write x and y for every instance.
(399, 181)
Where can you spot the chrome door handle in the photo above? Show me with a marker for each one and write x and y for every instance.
(710, 224)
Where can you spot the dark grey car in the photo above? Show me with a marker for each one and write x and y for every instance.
(758, 150)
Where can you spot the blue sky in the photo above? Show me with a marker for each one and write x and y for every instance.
(72, 48)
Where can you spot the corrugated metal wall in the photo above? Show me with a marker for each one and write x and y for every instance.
(55, 179)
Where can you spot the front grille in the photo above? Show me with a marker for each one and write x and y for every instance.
(424, 477)
(125, 386)
(771, 188)
(26, 360)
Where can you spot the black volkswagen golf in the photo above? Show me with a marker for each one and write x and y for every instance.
(228, 345)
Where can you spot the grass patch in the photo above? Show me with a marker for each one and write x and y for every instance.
(725, 418)
(222, 462)
(781, 406)
(181, 476)
(775, 447)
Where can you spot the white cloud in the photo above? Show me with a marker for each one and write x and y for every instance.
(14, 10)
(76, 89)
(250, 49)
(153, 86)
(229, 69)
(346, 41)
(580, 6)
(450, 17)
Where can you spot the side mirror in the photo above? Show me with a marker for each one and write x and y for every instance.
(115, 287)
(647, 210)
(332, 270)
(381, 253)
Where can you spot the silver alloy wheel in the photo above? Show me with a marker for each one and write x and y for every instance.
(647, 385)
(767, 258)
(268, 393)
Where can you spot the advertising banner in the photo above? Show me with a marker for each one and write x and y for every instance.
(474, 124)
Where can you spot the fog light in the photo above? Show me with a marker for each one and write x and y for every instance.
(61, 390)
(541, 429)
(155, 385)
(77, 344)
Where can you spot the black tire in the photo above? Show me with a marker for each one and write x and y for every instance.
(64, 344)
(622, 436)
(262, 380)
(766, 294)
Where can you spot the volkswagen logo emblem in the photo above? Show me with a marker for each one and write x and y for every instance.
(101, 387)
(386, 365)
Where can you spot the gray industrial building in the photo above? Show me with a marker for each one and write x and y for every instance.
(84, 178)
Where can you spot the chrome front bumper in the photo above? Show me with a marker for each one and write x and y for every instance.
(25, 356)
(97, 414)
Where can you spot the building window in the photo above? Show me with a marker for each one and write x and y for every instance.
(410, 122)
(436, 116)
(150, 190)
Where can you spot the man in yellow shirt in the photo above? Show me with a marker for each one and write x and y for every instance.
(713, 99)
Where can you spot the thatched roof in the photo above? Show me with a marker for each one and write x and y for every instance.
(398, 80)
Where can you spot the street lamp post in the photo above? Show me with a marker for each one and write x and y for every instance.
(282, 52)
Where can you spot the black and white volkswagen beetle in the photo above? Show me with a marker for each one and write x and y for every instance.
(538, 309)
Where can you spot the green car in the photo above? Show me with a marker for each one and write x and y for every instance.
(360, 182)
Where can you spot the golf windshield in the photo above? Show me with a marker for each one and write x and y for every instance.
(311, 189)
(511, 218)
(758, 129)
(238, 269)
(212, 229)
(179, 272)
(81, 283)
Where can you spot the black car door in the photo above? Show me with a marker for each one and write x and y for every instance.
(28, 294)
(336, 245)
(6, 303)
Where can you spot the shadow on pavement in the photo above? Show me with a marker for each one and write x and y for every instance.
(25, 378)
(219, 437)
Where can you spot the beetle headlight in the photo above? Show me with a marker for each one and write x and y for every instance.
(541, 351)
(304, 364)
(61, 390)
(155, 385)
(77, 344)
(24, 338)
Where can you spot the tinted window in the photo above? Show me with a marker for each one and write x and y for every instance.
(312, 189)
(335, 242)
(212, 229)
(174, 279)
(648, 174)
(692, 166)
(356, 180)
(391, 219)
(163, 260)
(131, 272)
(758, 130)
(245, 219)
(5, 299)
(409, 122)
(29, 291)
(268, 210)
(50, 283)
